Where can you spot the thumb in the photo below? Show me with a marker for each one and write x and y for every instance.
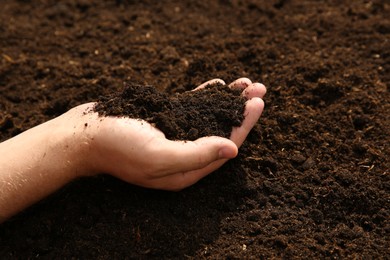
(184, 156)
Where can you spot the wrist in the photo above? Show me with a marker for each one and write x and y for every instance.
(57, 144)
(72, 137)
(38, 162)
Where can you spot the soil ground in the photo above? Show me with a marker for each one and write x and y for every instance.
(311, 181)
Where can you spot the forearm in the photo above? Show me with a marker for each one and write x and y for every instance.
(35, 164)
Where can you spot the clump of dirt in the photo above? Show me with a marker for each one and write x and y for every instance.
(212, 110)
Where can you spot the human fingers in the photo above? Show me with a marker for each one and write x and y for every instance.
(250, 89)
(253, 110)
(254, 90)
(210, 82)
(240, 83)
(183, 156)
(182, 179)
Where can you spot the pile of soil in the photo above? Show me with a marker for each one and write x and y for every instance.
(312, 179)
(213, 110)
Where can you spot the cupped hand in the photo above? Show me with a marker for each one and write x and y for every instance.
(136, 152)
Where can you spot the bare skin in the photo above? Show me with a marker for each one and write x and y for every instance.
(42, 159)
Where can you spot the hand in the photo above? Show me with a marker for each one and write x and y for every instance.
(42, 159)
(136, 152)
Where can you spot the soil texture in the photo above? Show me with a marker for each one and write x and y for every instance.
(312, 179)
(213, 110)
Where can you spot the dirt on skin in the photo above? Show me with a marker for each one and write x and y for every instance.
(311, 180)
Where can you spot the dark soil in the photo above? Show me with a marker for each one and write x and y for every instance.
(311, 181)
(213, 110)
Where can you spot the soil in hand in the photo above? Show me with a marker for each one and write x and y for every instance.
(212, 110)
